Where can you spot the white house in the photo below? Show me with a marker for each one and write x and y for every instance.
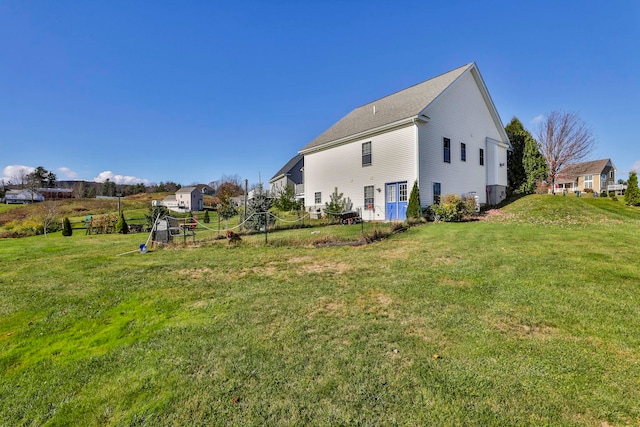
(445, 133)
(185, 199)
(22, 196)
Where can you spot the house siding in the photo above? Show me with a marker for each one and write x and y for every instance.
(393, 160)
(461, 115)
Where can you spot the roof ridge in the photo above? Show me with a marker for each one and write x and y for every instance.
(417, 84)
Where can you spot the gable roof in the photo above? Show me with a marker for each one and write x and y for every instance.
(409, 103)
(286, 168)
(187, 190)
(594, 167)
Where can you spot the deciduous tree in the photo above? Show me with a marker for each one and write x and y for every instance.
(564, 139)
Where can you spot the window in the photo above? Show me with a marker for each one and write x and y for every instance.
(588, 181)
(403, 192)
(366, 153)
(436, 193)
(318, 197)
(446, 145)
(368, 197)
(611, 174)
(482, 157)
(463, 152)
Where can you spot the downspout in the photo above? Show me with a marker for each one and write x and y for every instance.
(417, 154)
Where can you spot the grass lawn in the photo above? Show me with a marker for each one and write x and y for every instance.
(529, 317)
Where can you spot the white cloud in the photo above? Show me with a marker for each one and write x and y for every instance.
(67, 173)
(537, 119)
(119, 179)
(15, 173)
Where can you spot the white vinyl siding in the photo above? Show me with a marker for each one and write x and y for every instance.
(446, 150)
(461, 114)
(340, 167)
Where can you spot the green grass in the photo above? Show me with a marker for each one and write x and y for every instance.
(533, 315)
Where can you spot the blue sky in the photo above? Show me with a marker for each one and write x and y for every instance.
(188, 91)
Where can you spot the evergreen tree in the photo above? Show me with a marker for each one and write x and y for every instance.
(335, 206)
(413, 209)
(66, 227)
(286, 200)
(256, 209)
(535, 166)
(517, 134)
(632, 193)
(206, 218)
(121, 225)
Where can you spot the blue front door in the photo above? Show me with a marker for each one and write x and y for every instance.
(396, 199)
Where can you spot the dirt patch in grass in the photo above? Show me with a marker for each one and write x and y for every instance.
(324, 267)
(512, 326)
(327, 307)
(195, 274)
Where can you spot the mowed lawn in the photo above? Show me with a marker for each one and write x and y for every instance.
(529, 317)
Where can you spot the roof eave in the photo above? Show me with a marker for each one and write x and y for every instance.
(361, 135)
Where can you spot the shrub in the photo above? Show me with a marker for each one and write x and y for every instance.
(453, 208)
(66, 227)
(413, 208)
(121, 225)
(612, 194)
(603, 194)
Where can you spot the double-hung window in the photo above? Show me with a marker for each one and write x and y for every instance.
(318, 197)
(446, 147)
(463, 152)
(588, 181)
(368, 197)
(366, 153)
(436, 193)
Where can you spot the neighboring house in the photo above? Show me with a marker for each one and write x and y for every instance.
(291, 175)
(444, 133)
(206, 190)
(185, 199)
(596, 175)
(22, 196)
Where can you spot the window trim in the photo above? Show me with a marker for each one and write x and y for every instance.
(369, 201)
(588, 181)
(367, 156)
(446, 149)
(438, 195)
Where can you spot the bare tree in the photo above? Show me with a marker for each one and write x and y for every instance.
(564, 139)
(48, 214)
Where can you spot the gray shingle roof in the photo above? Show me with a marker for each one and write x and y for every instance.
(390, 109)
(571, 172)
(286, 168)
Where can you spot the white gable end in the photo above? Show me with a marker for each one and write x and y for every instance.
(461, 115)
